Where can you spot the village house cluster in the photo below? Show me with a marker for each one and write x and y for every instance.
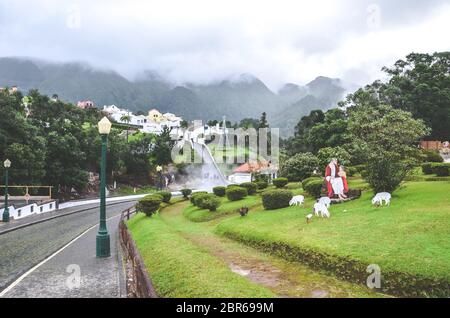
(155, 122)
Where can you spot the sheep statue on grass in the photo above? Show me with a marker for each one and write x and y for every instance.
(380, 197)
(325, 201)
(321, 209)
(297, 200)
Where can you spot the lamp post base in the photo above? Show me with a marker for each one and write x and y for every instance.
(103, 245)
(5, 217)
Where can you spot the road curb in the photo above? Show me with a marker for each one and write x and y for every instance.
(58, 216)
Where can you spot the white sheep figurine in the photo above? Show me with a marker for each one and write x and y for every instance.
(297, 200)
(325, 201)
(322, 210)
(380, 197)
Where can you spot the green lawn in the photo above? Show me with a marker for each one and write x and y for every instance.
(410, 237)
(227, 207)
(179, 268)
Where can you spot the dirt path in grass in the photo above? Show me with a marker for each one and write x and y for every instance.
(286, 279)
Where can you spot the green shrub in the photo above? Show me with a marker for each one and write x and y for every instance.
(195, 195)
(432, 156)
(314, 187)
(166, 196)
(308, 180)
(236, 193)
(280, 182)
(427, 168)
(276, 199)
(219, 191)
(149, 204)
(250, 186)
(324, 155)
(209, 201)
(262, 185)
(441, 169)
(299, 166)
(186, 193)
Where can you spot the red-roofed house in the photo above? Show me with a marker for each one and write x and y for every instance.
(245, 172)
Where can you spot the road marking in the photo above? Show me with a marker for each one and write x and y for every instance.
(17, 281)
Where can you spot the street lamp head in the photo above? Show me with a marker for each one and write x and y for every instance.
(7, 163)
(104, 126)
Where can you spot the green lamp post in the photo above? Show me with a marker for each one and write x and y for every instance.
(5, 218)
(102, 239)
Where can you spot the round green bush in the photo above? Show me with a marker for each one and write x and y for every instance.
(166, 196)
(149, 204)
(186, 193)
(427, 168)
(276, 199)
(195, 195)
(280, 182)
(219, 191)
(250, 186)
(308, 180)
(209, 201)
(262, 185)
(236, 193)
(314, 187)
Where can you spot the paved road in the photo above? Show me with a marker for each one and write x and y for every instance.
(23, 248)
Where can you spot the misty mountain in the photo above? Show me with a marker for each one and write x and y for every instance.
(243, 96)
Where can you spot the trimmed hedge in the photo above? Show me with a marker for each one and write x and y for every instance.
(236, 193)
(262, 185)
(186, 193)
(166, 196)
(432, 156)
(441, 169)
(427, 168)
(308, 180)
(209, 201)
(149, 204)
(280, 182)
(276, 199)
(195, 195)
(250, 186)
(314, 188)
(219, 191)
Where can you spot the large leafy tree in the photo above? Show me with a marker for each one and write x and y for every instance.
(420, 84)
(386, 139)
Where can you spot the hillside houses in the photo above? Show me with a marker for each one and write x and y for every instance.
(154, 122)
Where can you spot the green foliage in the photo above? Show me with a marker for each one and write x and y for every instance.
(250, 186)
(236, 193)
(209, 201)
(276, 199)
(197, 195)
(166, 196)
(432, 156)
(299, 166)
(280, 182)
(427, 168)
(308, 180)
(326, 154)
(441, 169)
(149, 204)
(314, 187)
(186, 193)
(261, 185)
(219, 191)
(386, 138)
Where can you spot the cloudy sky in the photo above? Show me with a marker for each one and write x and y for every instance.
(278, 41)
